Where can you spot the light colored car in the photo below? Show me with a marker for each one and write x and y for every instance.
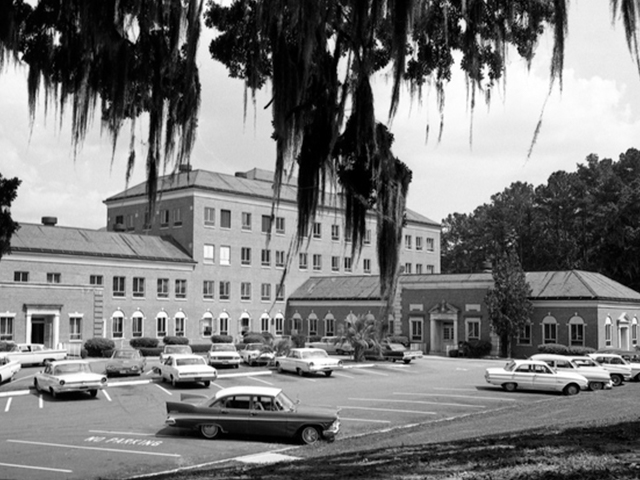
(8, 369)
(598, 377)
(332, 345)
(224, 354)
(172, 349)
(35, 354)
(249, 410)
(186, 368)
(69, 376)
(126, 361)
(619, 369)
(308, 360)
(256, 354)
(535, 375)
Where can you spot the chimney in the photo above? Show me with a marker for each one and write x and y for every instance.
(49, 221)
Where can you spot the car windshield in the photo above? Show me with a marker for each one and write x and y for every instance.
(71, 368)
(125, 354)
(223, 348)
(396, 347)
(189, 361)
(315, 354)
(285, 402)
(177, 349)
(510, 366)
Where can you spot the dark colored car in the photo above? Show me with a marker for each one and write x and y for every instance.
(126, 362)
(249, 410)
(393, 352)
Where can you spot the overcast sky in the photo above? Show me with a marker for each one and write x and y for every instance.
(598, 111)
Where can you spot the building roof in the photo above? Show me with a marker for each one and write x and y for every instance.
(252, 183)
(50, 239)
(564, 285)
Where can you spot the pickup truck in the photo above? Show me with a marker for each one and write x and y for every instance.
(34, 353)
(393, 352)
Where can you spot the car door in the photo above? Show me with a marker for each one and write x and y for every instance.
(544, 378)
(266, 418)
(523, 376)
(232, 413)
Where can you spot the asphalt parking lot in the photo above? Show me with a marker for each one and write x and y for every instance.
(121, 432)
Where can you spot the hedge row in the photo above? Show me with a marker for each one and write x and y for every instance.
(559, 349)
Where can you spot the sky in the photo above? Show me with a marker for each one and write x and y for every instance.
(597, 112)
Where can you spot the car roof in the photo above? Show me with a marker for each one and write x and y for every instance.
(185, 355)
(550, 356)
(531, 360)
(248, 390)
(66, 362)
(307, 349)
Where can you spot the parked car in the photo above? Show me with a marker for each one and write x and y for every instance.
(35, 354)
(256, 354)
(186, 368)
(619, 369)
(8, 369)
(224, 354)
(393, 352)
(597, 376)
(172, 349)
(66, 376)
(249, 410)
(535, 375)
(126, 361)
(332, 345)
(631, 356)
(308, 360)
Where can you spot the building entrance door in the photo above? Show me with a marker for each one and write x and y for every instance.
(42, 330)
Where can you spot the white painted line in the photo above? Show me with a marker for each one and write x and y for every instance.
(359, 365)
(17, 393)
(116, 450)
(40, 401)
(220, 387)
(376, 373)
(500, 399)
(163, 389)
(246, 374)
(343, 375)
(261, 381)
(6, 408)
(387, 410)
(363, 420)
(127, 383)
(266, 458)
(108, 432)
(421, 402)
(106, 395)
(33, 467)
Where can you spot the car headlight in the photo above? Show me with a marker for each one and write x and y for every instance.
(103, 380)
(311, 364)
(62, 382)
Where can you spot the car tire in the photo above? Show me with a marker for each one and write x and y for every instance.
(35, 385)
(571, 389)
(510, 387)
(279, 368)
(236, 366)
(173, 381)
(207, 383)
(328, 373)
(617, 380)
(299, 372)
(407, 361)
(93, 393)
(309, 435)
(209, 431)
(53, 393)
(593, 386)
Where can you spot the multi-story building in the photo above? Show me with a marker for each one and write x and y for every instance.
(208, 260)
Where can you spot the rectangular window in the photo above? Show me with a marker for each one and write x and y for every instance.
(209, 216)
(224, 325)
(576, 332)
(163, 288)
(181, 288)
(130, 222)
(418, 268)
(180, 326)
(407, 268)
(367, 237)
(265, 224)
(430, 269)
(607, 334)
(21, 276)
(335, 232)
(279, 325)
(119, 288)
(207, 289)
(317, 230)
(416, 329)
(147, 220)
(279, 293)
(335, 264)
(525, 335)
(245, 291)
(331, 327)
(265, 257)
(245, 256)
(136, 326)
(225, 218)
(53, 278)
(280, 225)
(206, 326)
(447, 331)
(549, 333)
(177, 217)
(429, 244)
(303, 261)
(418, 243)
(313, 326)
(75, 328)
(224, 289)
(6, 329)
(138, 287)
(347, 264)
(280, 258)
(473, 329)
(225, 255)
(161, 326)
(96, 280)
(317, 262)
(407, 242)
(117, 327)
(265, 292)
(366, 265)
(120, 220)
(264, 324)
(209, 254)
(246, 221)
(164, 218)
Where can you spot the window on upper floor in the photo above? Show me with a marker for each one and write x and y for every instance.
(119, 286)
(225, 218)
(21, 277)
(347, 264)
(407, 268)
(209, 253)
(164, 218)
(181, 288)
(177, 217)
(418, 243)
(280, 225)
(407, 242)
(430, 243)
(96, 280)
(53, 278)
(245, 256)
(207, 289)
(303, 262)
(317, 262)
(246, 221)
(265, 257)
(430, 269)
(245, 291)
(335, 264)
(225, 255)
(224, 290)
(366, 265)
(209, 216)
(280, 258)
(131, 222)
(317, 230)
(279, 293)
(163, 288)
(418, 268)
(120, 220)
(335, 232)
(265, 224)
(265, 292)
(138, 287)
(367, 237)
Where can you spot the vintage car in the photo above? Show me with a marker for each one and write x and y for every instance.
(186, 368)
(598, 377)
(69, 376)
(171, 349)
(393, 352)
(631, 356)
(224, 354)
(619, 369)
(249, 410)
(256, 354)
(34, 354)
(308, 360)
(535, 375)
(332, 345)
(126, 361)
(8, 369)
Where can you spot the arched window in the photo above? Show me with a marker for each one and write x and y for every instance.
(296, 324)
(206, 324)
(329, 325)
(634, 331)
(117, 324)
(607, 331)
(161, 324)
(264, 322)
(549, 330)
(137, 324)
(576, 331)
(245, 322)
(313, 323)
(279, 321)
(180, 321)
(223, 322)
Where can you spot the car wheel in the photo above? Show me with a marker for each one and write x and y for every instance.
(207, 383)
(593, 386)
(509, 387)
(236, 366)
(173, 381)
(35, 385)
(309, 435)
(328, 373)
(571, 389)
(53, 393)
(279, 367)
(209, 431)
(93, 392)
(299, 372)
(407, 361)
(251, 363)
(393, 360)
(616, 380)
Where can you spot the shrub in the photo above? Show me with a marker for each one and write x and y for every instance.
(453, 352)
(581, 351)
(172, 340)
(268, 337)
(200, 347)
(282, 346)
(6, 346)
(143, 342)
(221, 339)
(99, 347)
(474, 348)
(402, 339)
(313, 338)
(298, 340)
(253, 337)
(150, 352)
(554, 348)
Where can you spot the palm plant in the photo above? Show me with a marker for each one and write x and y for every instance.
(361, 334)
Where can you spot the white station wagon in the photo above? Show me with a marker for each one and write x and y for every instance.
(308, 360)
(535, 375)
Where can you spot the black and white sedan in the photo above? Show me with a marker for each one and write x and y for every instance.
(535, 375)
(186, 368)
(249, 410)
(308, 360)
(67, 376)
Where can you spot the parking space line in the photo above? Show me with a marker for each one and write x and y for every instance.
(115, 450)
(40, 401)
(363, 420)
(163, 389)
(127, 383)
(246, 374)
(33, 467)
(260, 380)
(421, 402)
(106, 395)
(15, 393)
(387, 410)
(8, 405)
(500, 399)
(343, 375)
